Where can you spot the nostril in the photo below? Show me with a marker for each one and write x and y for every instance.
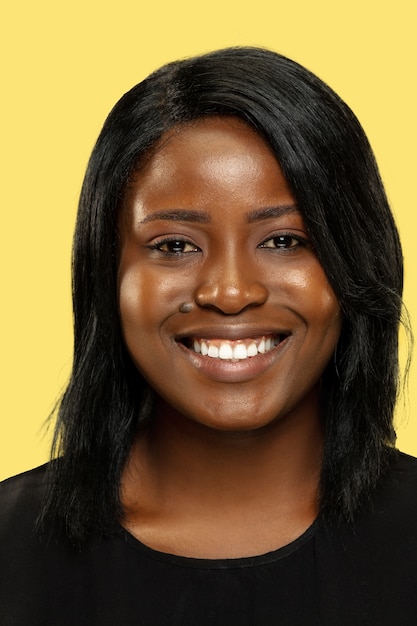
(231, 299)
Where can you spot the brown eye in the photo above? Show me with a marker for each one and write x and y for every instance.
(175, 246)
(282, 242)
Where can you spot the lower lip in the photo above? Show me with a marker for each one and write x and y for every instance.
(234, 372)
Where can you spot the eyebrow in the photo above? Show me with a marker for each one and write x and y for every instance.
(267, 213)
(178, 215)
(201, 217)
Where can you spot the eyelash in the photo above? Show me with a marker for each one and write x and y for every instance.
(300, 242)
(173, 240)
(285, 239)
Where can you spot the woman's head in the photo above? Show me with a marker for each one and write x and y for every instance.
(211, 221)
(330, 169)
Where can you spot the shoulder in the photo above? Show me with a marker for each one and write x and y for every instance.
(395, 497)
(21, 500)
(21, 497)
(39, 571)
(373, 562)
(23, 490)
(21, 559)
(24, 482)
(404, 465)
(387, 518)
(390, 510)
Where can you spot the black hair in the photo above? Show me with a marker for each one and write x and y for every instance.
(329, 165)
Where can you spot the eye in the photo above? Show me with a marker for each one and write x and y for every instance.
(174, 246)
(287, 241)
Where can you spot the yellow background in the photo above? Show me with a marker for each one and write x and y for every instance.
(65, 64)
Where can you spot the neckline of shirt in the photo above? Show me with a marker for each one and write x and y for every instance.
(227, 563)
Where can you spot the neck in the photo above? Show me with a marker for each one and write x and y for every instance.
(181, 474)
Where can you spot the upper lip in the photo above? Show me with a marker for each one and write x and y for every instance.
(233, 332)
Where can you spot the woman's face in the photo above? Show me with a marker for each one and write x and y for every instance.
(211, 221)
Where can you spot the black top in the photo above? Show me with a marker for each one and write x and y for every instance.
(365, 574)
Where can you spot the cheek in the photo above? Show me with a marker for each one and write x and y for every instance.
(325, 306)
(147, 299)
(137, 305)
(139, 320)
(316, 303)
(132, 298)
(326, 315)
(316, 291)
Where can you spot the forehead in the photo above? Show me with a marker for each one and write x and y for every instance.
(207, 160)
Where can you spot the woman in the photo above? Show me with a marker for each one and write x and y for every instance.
(226, 442)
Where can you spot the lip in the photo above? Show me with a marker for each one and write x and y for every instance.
(232, 332)
(234, 371)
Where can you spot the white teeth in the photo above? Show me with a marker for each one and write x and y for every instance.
(240, 351)
(213, 351)
(226, 351)
(197, 347)
(229, 350)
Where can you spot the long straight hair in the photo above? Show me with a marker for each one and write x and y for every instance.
(329, 165)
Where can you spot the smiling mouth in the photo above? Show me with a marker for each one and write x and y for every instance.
(233, 350)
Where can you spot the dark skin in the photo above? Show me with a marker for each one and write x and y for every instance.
(230, 465)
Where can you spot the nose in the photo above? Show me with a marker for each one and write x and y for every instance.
(230, 287)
